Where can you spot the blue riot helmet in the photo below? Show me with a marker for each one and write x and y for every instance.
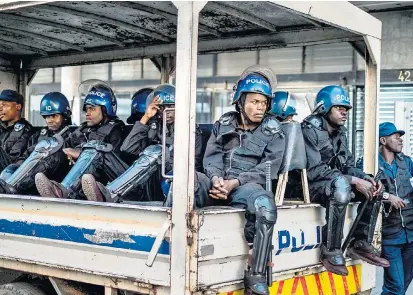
(99, 93)
(262, 70)
(165, 92)
(138, 105)
(252, 83)
(284, 104)
(329, 97)
(55, 103)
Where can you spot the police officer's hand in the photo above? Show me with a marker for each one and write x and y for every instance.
(151, 110)
(218, 191)
(378, 186)
(72, 154)
(230, 185)
(396, 202)
(365, 187)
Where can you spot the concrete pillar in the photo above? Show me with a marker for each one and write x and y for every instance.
(70, 81)
(371, 116)
(8, 80)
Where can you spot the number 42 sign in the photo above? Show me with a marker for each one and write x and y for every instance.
(404, 76)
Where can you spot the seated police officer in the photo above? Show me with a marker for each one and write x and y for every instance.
(235, 159)
(95, 146)
(55, 109)
(14, 130)
(143, 145)
(332, 178)
(284, 106)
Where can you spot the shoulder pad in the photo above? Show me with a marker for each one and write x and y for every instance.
(26, 124)
(81, 127)
(153, 125)
(43, 131)
(18, 127)
(117, 121)
(314, 121)
(271, 126)
(227, 118)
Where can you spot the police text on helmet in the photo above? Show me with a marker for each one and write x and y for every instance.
(97, 93)
(258, 81)
(340, 97)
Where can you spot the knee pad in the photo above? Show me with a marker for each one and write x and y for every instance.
(98, 145)
(339, 191)
(265, 209)
(8, 171)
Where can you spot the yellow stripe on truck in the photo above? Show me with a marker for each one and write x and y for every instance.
(324, 283)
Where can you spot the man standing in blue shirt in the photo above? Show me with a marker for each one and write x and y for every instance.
(397, 230)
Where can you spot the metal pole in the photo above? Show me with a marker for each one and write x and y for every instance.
(25, 92)
(371, 108)
(165, 70)
(184, 157)
(71, 79)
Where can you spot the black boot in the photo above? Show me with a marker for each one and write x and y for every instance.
(255, 279)
(333, 261)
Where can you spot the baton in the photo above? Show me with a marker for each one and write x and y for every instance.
(359, 215)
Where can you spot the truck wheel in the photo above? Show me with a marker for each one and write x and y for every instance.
(19, 289)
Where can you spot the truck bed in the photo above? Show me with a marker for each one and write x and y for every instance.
(111, 244)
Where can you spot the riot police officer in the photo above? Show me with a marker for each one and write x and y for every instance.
(138, 105)
(14, 130)
(55, 109)
(284, 106)
(332, 178)
(234, 163)
(95, 146)
(143, 145)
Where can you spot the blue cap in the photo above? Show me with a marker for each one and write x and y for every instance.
(387, 129)
(11, 95)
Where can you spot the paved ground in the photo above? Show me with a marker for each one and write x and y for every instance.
(379, 283)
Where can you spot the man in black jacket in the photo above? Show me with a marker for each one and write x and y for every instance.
(235, 160)
(46, 157)
(332, 177)
(142, 151)
(14, 130)
(95, 146)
